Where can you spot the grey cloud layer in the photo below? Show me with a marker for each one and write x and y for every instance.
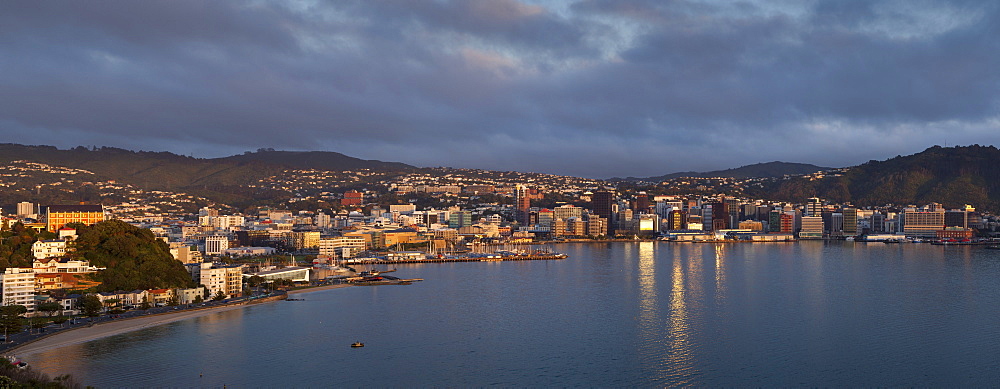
(594, 88)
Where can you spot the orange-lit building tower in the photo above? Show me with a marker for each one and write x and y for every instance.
(57, 216)
(522, 203)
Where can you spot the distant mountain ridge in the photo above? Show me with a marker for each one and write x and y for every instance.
(952, 176)
(320, 160)
(758, 170)
(223, 179)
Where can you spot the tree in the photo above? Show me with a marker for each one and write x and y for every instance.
(198, 299)
(10, 318)
(111, 303)
(220, 296)
(91, 305)
(49, 307)
(255, 281)
(145, 303)
(174, 301)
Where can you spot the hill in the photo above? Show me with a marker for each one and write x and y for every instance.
(759, 170)
(319, 160)
(224, 180)
(952, 176)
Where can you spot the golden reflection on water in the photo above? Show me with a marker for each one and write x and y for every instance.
(720, 273)
(669, 359)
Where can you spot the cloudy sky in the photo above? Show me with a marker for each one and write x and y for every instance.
(594, 88)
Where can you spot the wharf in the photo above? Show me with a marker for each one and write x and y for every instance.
(470, 259)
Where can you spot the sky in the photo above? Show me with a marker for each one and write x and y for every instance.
(591, 88)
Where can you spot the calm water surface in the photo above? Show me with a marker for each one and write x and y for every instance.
(619, 314)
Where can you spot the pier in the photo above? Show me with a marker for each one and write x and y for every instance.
(467, 259)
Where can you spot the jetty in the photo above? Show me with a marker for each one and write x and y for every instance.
(486, 258)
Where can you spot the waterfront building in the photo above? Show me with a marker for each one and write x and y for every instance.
(922, 223)
(597, 225)
(57, 216)
(216, 277)
(812, 227)
(954, 233)
(751, 225)
(649, 222)
(291, 273)
(190, 295)
(850, 221)
(836, 224)
(19, 287)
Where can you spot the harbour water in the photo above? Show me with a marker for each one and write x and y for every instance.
(613, 314)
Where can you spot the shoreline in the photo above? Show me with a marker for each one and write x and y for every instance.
(103, 330)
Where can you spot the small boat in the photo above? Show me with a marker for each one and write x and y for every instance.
(357, 344)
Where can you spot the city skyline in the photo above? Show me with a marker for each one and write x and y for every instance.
(585, 88)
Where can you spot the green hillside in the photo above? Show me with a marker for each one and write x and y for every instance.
(952, 176)
(758, 170)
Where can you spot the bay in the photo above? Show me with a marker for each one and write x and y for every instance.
(645, 314)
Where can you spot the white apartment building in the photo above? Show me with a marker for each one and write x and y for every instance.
(216, 244)
(65, 266)
(216, 277)
(19, 287)
(48, 248)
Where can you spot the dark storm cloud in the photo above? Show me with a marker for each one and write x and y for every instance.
(591, 87)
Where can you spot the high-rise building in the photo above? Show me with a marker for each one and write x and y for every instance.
(878, 222)
(956, 218)
(602, 202)
(850, 221)
(787, 222)
(812, 227)
(732, 212)
(919, 223)
(25, 209)
(814, 206)
(19, 287)
(641, 203)
(676, 220)
(774, 221)
(522, 203)
(459, 219)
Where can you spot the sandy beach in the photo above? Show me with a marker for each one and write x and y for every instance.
(86, 334)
